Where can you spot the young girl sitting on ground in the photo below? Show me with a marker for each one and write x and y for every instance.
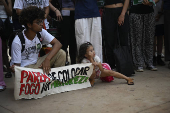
(87, 55)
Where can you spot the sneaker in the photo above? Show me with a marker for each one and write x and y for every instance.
(2, 88)
(152, 68)
(140, 69)
(162, 55)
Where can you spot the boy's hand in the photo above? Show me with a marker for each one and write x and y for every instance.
(12, 68)
(46, 66)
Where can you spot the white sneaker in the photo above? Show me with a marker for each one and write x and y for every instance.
(1, 87)
(152, 68)
(140, 69)
(162, 55)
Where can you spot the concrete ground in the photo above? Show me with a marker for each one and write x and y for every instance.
(150, 94)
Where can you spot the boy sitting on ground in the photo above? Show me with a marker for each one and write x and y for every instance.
(32, 18)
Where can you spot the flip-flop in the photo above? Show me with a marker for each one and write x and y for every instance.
(130, 82)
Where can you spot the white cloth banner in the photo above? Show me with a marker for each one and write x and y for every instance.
(32, 83)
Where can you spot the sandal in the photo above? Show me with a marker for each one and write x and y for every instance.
(8, 75)
(130, 81)
(2, 88)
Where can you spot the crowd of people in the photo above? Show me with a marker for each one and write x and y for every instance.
(141, 27)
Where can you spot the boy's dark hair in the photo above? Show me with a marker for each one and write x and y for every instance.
(29, 14)
(82, 51)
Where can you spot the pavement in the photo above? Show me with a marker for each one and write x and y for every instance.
(150, 94)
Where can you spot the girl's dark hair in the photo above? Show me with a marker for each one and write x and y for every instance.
(29, 14)
(82, 51)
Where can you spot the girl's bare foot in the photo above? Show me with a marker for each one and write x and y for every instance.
(92, 82)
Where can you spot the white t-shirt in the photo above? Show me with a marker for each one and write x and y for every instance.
(20, 4)
(96, 59)
(157, 8)
(32, 47)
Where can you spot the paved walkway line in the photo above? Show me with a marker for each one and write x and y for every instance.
(155, 107)
(5, 110)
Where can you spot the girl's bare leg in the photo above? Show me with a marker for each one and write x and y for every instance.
(92, 78)
(117, 75)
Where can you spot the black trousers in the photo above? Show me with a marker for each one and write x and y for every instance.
(167, 34)
(111, 30)
(68, 36)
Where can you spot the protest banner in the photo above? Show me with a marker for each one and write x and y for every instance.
(33, 83)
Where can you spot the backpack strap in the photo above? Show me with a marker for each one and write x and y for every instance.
(39, 37)
(21, 37)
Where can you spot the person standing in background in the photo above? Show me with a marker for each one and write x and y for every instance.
(44, 4)
(2, 83)
(159, 34)
(115, 21)
(88, 25)
(5, 13)
(66, 16)
(166, 8)
(142, 31)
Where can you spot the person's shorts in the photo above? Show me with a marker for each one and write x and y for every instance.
(105, 66)
(159, 30)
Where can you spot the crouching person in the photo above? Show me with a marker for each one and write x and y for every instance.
(25, 52)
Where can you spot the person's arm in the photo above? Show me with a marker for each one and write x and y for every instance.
(18, 11)
(46, 9)
(160, 13)
(156, 1)
(89, 57)
(18, 6)
(57, 12)
(46, 63)
(122, 15)
(146, 2)
(8, 7)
